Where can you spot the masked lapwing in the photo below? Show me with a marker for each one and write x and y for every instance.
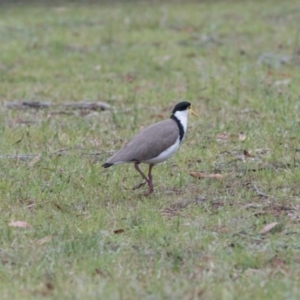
(155, 143)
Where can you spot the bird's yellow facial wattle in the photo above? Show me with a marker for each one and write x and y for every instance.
(191, 111)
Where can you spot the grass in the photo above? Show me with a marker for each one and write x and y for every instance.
(91, 235)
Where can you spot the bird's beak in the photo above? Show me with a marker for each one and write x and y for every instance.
(192, 112)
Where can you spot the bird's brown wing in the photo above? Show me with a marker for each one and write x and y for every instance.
(148, 143)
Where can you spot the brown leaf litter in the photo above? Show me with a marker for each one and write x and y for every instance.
(268, 228)
(204, 175)
(241, 136)
(19, 224)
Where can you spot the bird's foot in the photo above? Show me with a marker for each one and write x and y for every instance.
(150, 192)
(138, 186)
(150, 185)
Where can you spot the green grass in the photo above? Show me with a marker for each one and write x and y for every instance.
(238, 63)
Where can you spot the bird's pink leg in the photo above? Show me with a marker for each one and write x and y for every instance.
(150, 183)
(149, 179)
(136, 165)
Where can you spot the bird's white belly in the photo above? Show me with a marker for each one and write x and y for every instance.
(164, 155)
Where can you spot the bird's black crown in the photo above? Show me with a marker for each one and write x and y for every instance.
(181, 106)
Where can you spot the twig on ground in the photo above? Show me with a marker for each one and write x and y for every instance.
(18, 156)
(185, 202)
(259, 192)
(60, 151)
(82, 105)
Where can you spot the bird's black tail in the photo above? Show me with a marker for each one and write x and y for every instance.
(107, 165)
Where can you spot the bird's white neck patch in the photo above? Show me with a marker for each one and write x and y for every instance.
(182, 116)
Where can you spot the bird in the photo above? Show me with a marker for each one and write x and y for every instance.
(155, 144)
